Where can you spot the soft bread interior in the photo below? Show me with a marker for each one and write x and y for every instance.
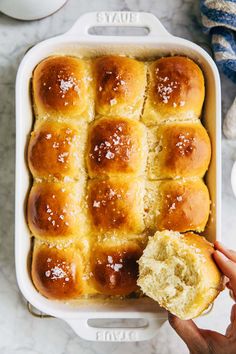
(172, 273)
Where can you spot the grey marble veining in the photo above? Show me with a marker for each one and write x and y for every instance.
(20, 332)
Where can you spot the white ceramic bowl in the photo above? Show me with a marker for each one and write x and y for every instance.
(30, 9)
(78, 41)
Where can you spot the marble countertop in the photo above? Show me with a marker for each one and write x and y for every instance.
(20, 332)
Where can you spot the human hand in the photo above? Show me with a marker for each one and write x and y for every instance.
(202, 341)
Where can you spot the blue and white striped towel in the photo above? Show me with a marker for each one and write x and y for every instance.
(219, 20)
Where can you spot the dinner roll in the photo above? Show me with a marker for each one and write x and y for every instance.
(61, 88)
(176, 90)
(120, 86)
(116, 146)
(117, 153)
(179, 205)
(178, 271)
(58, 273)
(114, 266)
(116, 205)
(56, 150)
(178, 150)
(55, 211)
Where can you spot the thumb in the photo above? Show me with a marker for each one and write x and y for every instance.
(189, 332)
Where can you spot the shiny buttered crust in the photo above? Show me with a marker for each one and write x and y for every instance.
(62, 88)
(55, 211)
(116, 146)
(183, 206)
(120, 86)
(178, 150)
(114, 267)
(116, 205)
(178, 271)
(56, 150)
(117, 152)
(176, 90)
(58, 273)
(178, 205)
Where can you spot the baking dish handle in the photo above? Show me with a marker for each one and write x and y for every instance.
(118, 19)
(116, 334)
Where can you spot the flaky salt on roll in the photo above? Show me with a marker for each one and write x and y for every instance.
(61, 273)
(55, 211)
(178, 205)
(114, 265)
(178, 271)
(115, 205)
(116, 146)
(61, 88)
(120, 86)
(178, 149)
(176, 91)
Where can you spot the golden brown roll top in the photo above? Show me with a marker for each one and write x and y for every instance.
(58, 273)
(109, 268)
(178, 205)
(116, 146)
(61, 88)
(100, 188)
(114, 267)
(116, 205)
(176, 90)
(55, 211)
(178, 150)
(184, 206)
(120, 86)
(56, 150)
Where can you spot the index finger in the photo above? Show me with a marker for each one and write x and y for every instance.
(227, 267)
(227, 252)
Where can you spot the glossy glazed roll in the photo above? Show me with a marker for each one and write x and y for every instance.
(115, 268)
(58, 273)
(178, 205)
(176, 90)
(55, 211)
(120, 86)
(116, 205)
(117, 153)
(62, 88)
(116, 146)
(56, 150)
(178, 150)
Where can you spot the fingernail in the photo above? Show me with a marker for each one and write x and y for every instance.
(222, 256)
(219, 244)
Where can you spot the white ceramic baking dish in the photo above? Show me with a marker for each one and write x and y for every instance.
(78, 41)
